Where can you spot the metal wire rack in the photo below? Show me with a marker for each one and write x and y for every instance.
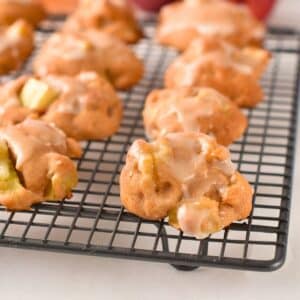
(93, 222)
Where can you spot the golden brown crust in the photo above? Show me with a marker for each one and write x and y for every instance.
(216, 64)
(16, 45)
(55, 166)
(87, 108)
(38, 152)
(182, 22)
(29, 10)
(193, 109)
(236, 204)
(110, 16)
(22, 199)
(188, 177)
(72, 53)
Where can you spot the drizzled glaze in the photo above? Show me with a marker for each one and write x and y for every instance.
(73, 91)
(190, 162)
(205, 29)
(197, 176)
(190, 166)
(209, 18)
(206, 51)
(177, 108)
(31, 138)
(11, 35)
(190, 220)
(75, 48)
(120, 3)
(225, 56)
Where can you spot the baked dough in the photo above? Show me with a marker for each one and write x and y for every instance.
(35, 165)
(91, 50)
(111, 16)
(187, 177)
(16, 44)
(13, 10)
(87, 107)
(214, 63)
(182, 22)
(193, 109)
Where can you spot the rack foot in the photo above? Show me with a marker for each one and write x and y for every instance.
(184, 268)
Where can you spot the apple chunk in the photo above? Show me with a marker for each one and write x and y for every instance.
(37, 95)
(9, 180)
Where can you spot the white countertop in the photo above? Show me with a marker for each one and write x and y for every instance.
(41, 275)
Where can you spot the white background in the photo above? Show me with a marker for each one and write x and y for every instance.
(40, 275)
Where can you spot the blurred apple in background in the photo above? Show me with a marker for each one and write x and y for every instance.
(152, 5)
(260, 8)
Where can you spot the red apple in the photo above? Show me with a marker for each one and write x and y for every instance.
(262, 8)
(150, 5)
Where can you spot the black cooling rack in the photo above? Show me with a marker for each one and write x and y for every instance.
(94, 223)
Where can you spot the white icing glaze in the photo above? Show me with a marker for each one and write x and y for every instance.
(139, 155)
(74, 48)
(58, 83)
(189, 162)
(71, 106)
(72, 92)
(226, 166)
(18, 1)
(120, 3)
(198, 175)
(134, 151)
(8, 40)
(219, 59)
(88, 76)
(89, 4)
(13, 37)
(31, 137)
(235, 59)
(190, 221)
(4, 43)
(8, 103)
(227, 56)
(197, 15)
(205, 29)
(189, 109)
(259, 33)
(197, 178)
(185, 110)
(211, 18)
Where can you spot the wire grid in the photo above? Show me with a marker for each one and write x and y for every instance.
(93, 222)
